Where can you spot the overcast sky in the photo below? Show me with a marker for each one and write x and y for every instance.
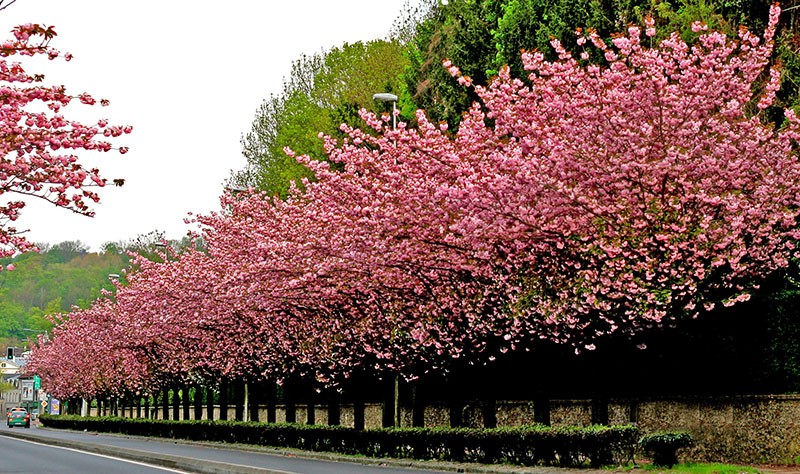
(189, 77)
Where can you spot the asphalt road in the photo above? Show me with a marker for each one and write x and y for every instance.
(27, 457)
(39, 450)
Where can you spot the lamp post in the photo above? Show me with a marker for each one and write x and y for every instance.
(387, 97)
(44, 332)
(235, 189)
(166, 248)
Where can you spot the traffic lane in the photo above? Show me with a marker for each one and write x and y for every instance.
(29, 457)
(238, 458)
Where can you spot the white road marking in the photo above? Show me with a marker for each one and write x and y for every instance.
(272, 471)
(130, 461)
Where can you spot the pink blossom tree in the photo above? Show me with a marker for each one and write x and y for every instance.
(180, 318)
(585, 201)
(641, 192)
(38, 143)
(87, 355)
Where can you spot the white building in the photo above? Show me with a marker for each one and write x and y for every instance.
(11, 390)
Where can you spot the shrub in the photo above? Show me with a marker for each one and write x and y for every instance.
(527, 445)
(664, 446)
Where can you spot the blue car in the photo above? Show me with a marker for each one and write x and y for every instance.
(19, 418)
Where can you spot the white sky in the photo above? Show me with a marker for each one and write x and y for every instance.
(189, 77)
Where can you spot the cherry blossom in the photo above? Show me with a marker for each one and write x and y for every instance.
(581, 201)
(39, 144)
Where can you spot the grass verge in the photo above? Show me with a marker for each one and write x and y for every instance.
(701, 468)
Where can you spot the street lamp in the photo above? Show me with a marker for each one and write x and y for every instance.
(386, 97)
(235, 189)
(43, 332)
(166, 248)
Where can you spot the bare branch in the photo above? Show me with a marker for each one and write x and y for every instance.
(4, 5)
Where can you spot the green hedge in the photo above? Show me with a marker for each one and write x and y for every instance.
(529, 445)
(664, 446)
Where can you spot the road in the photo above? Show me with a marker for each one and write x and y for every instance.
(39, 450)
(28, 457)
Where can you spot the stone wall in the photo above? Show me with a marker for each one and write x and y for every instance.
(761, 429)
(754, 429)
(746, 429)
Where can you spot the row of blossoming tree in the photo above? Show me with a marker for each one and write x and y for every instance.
(587, 200)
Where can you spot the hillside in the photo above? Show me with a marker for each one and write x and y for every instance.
(52, 281)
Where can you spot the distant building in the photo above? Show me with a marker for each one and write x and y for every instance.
(11, 389)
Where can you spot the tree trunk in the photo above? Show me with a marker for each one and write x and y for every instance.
(489, 409)
(358, 414)
(255, 395)
(176, 404)
(223, 400)
(600, 410)
(334, 410)
(311, 411)
(186, 402)
(289, 402)
(541, 410)
(239, 397)
(456, 410)
(633, 411)
(390, 403)
(270, 398)
(417, 406)
(198, 402)
(165, 403)
(209, 393)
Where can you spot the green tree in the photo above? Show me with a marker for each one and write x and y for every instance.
(6, 387)
(480, 36)
(52, 281)
(323, 91)
(461, 32)
(780, 349)
(12, 317)
(327, 89)
(64, 251)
